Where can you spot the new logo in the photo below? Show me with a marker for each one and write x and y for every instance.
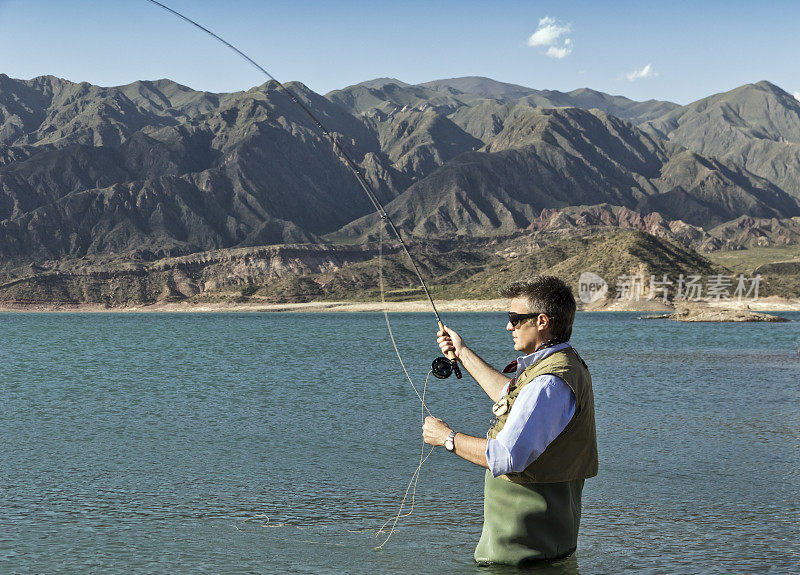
(591, 287)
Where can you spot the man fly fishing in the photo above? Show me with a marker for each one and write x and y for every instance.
(541, 445)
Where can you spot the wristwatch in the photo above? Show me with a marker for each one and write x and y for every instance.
(450, 442)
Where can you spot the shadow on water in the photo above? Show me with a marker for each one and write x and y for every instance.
(567, 566)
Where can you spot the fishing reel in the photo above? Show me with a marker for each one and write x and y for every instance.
(442, 368)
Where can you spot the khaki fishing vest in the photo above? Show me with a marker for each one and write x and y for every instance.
(573, 454)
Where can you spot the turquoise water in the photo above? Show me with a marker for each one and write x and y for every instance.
(158, 443)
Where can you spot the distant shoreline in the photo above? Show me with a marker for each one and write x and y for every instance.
(446, 306)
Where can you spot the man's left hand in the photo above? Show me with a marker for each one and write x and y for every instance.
(435, 431)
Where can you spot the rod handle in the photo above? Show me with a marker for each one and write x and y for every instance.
(451, 355)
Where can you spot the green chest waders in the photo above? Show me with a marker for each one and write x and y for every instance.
(528, 522)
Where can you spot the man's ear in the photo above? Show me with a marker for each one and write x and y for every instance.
(542, 322)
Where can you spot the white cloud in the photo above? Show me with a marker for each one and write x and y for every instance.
(553, 35)
(548, 32)
(560, 51)
(797, 95)
(646, 72)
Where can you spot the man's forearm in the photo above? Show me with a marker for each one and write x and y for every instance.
(472, 449)
(492, 381)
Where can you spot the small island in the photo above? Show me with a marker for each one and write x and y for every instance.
(705, 313)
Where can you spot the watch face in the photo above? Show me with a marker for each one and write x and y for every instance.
(448, 445)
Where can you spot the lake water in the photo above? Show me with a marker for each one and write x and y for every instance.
(278, 443)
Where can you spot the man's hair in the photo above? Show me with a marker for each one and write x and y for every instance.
(548, 295)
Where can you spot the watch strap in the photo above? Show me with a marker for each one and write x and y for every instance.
(450, 442)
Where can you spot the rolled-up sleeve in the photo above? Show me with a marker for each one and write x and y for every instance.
(540, 413)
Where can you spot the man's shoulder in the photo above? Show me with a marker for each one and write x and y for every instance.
(557, 357)
(568, 357)
(564, 364)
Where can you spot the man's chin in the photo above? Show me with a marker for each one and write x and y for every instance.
(522, 348)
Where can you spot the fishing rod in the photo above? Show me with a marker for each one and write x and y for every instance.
(442, 367)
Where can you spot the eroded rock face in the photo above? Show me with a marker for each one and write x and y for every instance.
(174, 279)
(471, 269)
(610, 216)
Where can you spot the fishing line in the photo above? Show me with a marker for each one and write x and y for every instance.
(348, 160)
(439, 370)
(441, 367)
(414, 479)
(423, 408)
(389, 326)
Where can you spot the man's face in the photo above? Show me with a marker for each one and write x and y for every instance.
(527, 334)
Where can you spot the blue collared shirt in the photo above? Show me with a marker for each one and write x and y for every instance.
(540, 413)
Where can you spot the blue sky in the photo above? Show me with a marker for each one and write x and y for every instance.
(678, 51)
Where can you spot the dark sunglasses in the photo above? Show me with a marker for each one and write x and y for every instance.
(515, 318)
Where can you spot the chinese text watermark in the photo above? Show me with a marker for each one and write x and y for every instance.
(592, 287)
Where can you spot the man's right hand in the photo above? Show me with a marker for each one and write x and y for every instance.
(449, 341)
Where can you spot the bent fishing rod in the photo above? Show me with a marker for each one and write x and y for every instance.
(441, 367)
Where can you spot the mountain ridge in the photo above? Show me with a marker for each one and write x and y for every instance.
(158, 167)
(506, 184)
(755, 126)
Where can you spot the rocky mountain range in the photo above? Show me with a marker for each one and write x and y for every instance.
(754, 126)
(553, 158)
(153, 169)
